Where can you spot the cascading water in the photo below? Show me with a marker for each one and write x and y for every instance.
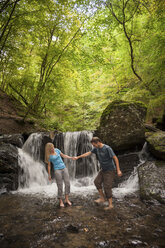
(131, 185)
(32, 145)
(34, 177)
(83, 170)
(33, 173)
(74, 144)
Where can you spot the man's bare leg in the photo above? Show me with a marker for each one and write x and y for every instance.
(102, 196)
(110, 206)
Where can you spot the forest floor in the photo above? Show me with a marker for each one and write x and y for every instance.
(11, 116)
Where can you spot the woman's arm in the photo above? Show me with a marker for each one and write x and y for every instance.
(119, 173)
(65, 156)
(49, 169)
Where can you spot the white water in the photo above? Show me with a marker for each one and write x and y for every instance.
(34, 173)
(32, 145)
(75, 142)
(131, 185)
(128, 187)
(34, 179)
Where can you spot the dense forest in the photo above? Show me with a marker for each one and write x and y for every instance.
(65, 60)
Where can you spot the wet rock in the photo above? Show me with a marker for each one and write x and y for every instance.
(122, 125)
(14, 139)
(45, 139)
(103, 244)
(152, 181)
(38, 141)
(137, 243)
(8, 167)
(72, 228)
(58, 140)
(160, 122)
(156, 143)
(127, 163)
(82, 246)
(1, 235)
(3, 191)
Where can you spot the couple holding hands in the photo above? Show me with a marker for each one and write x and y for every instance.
(109, 163)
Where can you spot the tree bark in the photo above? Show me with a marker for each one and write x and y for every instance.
(9, 19)
(18, 93)
(123, 23)
(44, 77)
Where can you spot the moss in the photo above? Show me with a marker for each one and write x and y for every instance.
(160, 163)
(157, 139)
(120, 104)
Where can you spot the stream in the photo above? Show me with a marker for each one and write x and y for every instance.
(31, 217)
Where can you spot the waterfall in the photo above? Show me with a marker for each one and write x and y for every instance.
(34, 177)
(131, 185)
(33, 172)
(74, 144)
(32, 145)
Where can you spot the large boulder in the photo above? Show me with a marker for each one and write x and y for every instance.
(152, 181)
(14, 139)
(122, 125)
(156, 143)
(9, 169)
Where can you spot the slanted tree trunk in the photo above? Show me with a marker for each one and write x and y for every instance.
(127, 35)
(9, 19)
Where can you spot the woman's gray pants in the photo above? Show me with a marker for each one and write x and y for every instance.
(60, 176)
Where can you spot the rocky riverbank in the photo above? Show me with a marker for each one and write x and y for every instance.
(31, 221)
(122, 125)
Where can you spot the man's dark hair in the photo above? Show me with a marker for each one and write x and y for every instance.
(95, 140)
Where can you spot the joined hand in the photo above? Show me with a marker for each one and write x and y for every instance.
(74, 158)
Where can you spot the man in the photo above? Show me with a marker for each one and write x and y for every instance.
(105, 177)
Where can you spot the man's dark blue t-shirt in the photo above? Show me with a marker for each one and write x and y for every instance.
(105, 157)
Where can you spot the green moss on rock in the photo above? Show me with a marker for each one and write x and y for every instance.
(123, 105)
(156, 143)
(122, 124)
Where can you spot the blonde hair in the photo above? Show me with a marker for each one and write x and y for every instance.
(47, 151)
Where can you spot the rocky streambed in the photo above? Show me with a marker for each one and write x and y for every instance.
(35, 221)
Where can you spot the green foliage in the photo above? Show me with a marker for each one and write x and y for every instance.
(66, 60)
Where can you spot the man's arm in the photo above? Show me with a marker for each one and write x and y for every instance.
(119, 173)
(83, 155)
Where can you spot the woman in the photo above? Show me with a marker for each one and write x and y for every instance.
(53, 155)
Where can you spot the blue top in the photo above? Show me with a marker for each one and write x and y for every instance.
(105, 157)
(56, 160)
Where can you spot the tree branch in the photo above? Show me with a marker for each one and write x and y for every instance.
(5, 27)
(123, 23)
(18, 93)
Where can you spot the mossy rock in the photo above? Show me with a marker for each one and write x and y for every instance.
(152, 181)
(156, 142)
(122, 125)
(124, 106)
